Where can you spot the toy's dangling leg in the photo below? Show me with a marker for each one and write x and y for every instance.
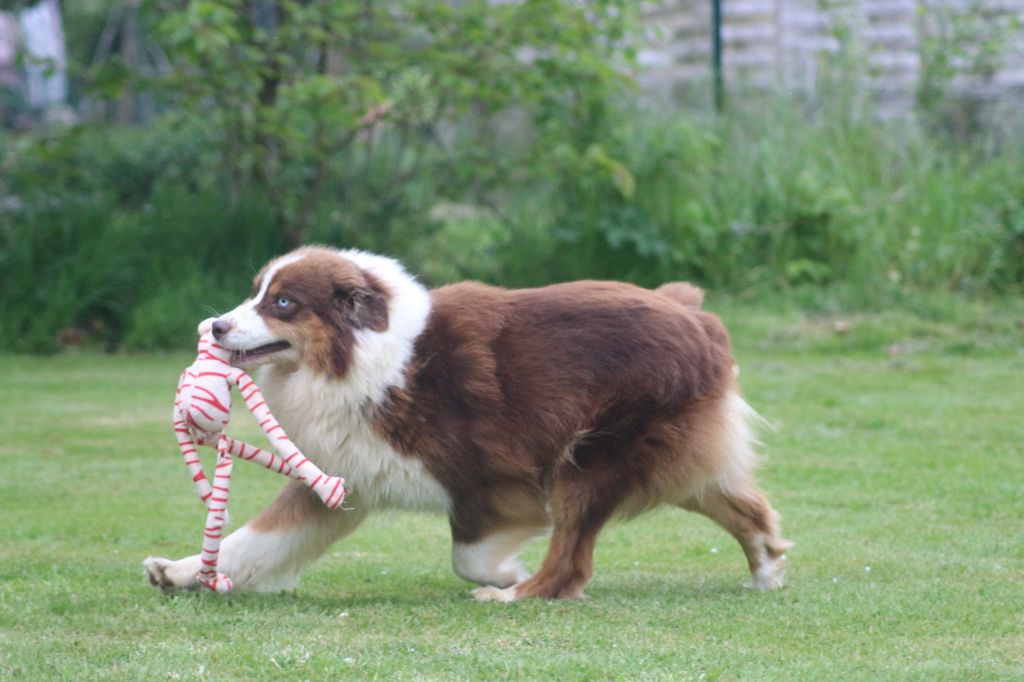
(216, 519)
(330, 489)
(188, 451)
(264, 458)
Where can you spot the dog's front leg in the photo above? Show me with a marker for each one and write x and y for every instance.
(270, 552)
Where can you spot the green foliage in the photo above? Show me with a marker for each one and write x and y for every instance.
(959, 39)
(83, 22)
(479, 140)
(762, 200)
(299, 98)
(123, 164)
(771, 197)
(61, 266)
(80, 266)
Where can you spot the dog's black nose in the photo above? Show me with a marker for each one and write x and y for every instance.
(220, 328)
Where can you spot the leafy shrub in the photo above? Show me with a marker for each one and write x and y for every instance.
(480, 140)
(774, 197)
(747, 203)
(167, 318)
(302, 98)
(81, 264)
(124, 164)
(63, 266)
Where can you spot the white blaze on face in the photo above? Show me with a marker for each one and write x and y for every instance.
(248, 329)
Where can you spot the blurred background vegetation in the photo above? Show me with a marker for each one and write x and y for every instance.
(501, 141)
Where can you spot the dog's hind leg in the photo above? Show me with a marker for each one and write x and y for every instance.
(744, 511)
(732, 499)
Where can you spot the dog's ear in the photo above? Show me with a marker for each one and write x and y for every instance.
(364, 307)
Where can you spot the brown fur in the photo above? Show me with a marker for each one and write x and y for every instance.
(333, 299)
(296, 505)
(587, 399)
(682, 293)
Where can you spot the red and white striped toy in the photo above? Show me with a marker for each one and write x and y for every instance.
(202, 408)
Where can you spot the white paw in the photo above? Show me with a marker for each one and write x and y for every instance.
(768, 577)
(488, 593)
(170, 576)
(515, 572)
(508, 574)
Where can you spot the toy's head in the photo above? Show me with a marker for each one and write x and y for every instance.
(204, 396)
(208, 344)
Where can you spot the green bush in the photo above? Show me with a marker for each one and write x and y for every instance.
(774, 197)
(167, 318)
(112, 232)
(82, 266)
(122, 164)
(477, 140)
(302, 100)
(63, 266)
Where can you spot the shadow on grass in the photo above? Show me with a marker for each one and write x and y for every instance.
(446, 593)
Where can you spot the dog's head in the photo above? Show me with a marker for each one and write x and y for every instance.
(308, 307)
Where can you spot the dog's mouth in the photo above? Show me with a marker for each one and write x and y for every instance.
(253, 355)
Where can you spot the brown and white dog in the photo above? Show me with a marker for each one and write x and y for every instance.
(514, 412)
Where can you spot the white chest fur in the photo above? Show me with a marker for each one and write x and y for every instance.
(325, 417)
(336, 436)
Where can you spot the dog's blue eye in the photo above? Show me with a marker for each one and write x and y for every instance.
(284, 302)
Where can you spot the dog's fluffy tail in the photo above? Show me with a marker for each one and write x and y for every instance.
(683, 293)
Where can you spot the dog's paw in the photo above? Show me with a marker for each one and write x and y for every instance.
(489, 593)
(169, 576)
(770, 576)
(155, 570)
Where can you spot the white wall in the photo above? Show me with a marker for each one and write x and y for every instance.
(769, 43)
(42, 37)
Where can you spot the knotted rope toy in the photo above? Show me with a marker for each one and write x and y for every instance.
(202, 408)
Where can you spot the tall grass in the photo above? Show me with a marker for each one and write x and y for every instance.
(87, 268)
(774, 197)
(124, 234)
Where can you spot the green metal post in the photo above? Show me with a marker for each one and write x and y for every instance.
(716, 54)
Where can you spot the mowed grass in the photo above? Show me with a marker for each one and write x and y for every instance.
(900, 479)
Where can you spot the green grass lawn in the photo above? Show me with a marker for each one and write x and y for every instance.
(900, 479)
